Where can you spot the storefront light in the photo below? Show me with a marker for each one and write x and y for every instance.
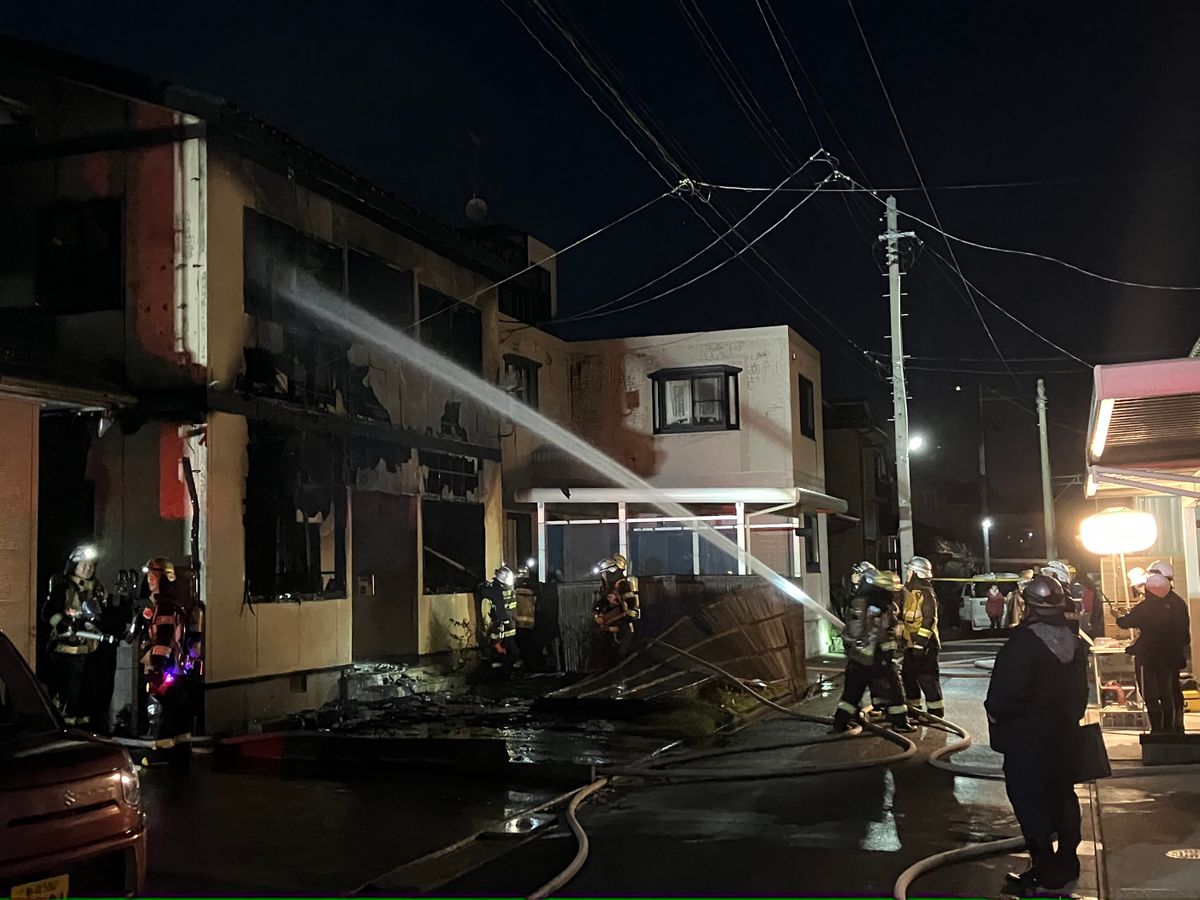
(1118, 529)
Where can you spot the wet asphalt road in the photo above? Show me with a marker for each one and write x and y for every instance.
(213, 833)
(837, 834)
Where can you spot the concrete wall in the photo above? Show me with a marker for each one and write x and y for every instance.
(519, 445)
(612, 405)
(19, 524)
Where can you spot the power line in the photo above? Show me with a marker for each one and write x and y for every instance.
(719, 238)
(597, 314)
(921, 180)
(787, 69)
(971, 286)
(555, 254)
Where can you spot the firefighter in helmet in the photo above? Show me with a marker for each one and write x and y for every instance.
(72, 608)
(529, 641)
(615, 610)
(870, 643)
(497, 624)
(921, 640)
(1037, 694)
(165, 663)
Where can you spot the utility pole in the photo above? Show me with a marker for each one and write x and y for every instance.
(891, 238)
(983, 482)
(1047, 496)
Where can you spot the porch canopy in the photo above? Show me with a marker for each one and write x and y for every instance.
(769, 522)
(1144, 431)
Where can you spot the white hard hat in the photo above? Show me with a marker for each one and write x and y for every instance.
(1162, 567)
(920, 566)
(1137, 576)
(1056, 568)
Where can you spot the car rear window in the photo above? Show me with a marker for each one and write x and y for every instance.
(980, 588)
(23, 707)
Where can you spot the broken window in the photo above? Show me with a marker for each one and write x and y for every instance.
(79, 257)
(295, 515)
(377, 288)
(521, 378)
(282, 270)
(452, 533)
(450, 475)
(452, 328)
(704, 398)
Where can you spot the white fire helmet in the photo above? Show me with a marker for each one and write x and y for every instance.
(1057, 569)
(1137, 576)
(1162, 567)
(919, 566)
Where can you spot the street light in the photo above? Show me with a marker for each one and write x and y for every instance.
(987, 524)
(916, 443)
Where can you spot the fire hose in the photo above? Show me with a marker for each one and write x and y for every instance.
(938, 759)
(658, 769)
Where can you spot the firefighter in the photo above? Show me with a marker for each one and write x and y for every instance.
(1037, 695)
(1184, 623)
(870, 644)
(529, 643)
(921, 640)
(73, 606)
(164, 663)
(498, 629)
(1137, 583)
(615, 611)
(1158, 650)
(1064, 573)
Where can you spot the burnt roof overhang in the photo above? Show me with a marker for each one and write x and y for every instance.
(1146, 414)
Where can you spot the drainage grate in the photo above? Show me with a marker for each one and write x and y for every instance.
(1189, 853)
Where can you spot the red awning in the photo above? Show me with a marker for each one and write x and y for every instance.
(1146, 415)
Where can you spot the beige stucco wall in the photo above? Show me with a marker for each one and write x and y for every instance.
(19, 524)
(274, 639)
(612, 405)
(519, 444)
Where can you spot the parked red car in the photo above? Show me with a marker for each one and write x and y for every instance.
(71, 823)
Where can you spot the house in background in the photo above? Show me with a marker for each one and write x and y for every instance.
(860, 468)
(726, 423)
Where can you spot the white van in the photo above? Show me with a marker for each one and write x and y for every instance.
(973, 606)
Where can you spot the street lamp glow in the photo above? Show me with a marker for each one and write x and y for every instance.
(916, 442)
(1118, 529)
(987, 523)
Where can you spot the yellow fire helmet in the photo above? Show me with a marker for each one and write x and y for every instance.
(162, 565)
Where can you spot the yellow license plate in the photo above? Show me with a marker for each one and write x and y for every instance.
(46, 889)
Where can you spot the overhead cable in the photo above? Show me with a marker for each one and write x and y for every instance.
(546, 259)
(718, 239)
(921, 180)
(706, 272)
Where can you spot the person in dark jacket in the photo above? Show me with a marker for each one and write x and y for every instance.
(1184, 622)
(1037, 695)
(1158, 649)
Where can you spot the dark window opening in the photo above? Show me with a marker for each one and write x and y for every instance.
(377, 288)
(704, 398)
(521, 377)
(808, 414)
(453, 537)
(295, 515)
(79, 257)
(284, 270)
(518, 539)
(530, 305)
(453, 329)
(450, 475)
(812, 544)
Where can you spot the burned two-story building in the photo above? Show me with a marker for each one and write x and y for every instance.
(160, 256)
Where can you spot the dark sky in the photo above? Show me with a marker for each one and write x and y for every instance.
(1096, 102)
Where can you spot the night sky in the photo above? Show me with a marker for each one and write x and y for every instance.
(1096, 103)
